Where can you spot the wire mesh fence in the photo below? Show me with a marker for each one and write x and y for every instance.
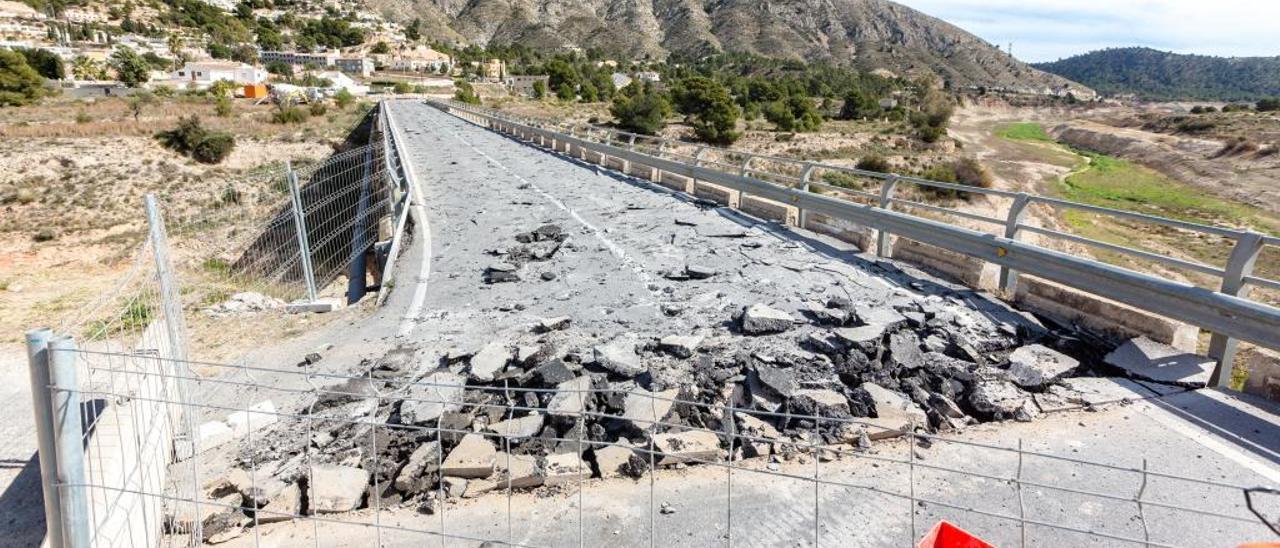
(347, 459)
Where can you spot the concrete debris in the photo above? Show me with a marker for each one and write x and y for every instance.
(1035, 365)
(866, 338)
(895, 413)
(473, 457)
(547, 325)
(489, 361)
(1000, 399)
(570, 398)
(551, 373)
(642, 408)
(820, 403)
(501, 273)
(1145, 359)
(284, 505)
(698, 272)
(691, 446)
(333, 489)
(680, 346)
(619, 356)
(431, 397)
(477, 487)
(781, 382)
(760, 319)
(253, 419)
(517, 471)
(616, 461)
(882, 315)
(519, 427)
(565, 468)
(415, 477)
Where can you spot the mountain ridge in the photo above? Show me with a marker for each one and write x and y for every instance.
(1155, 74)
(865, 34)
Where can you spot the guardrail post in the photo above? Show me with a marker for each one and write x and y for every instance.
(1008, 276)
(742, 172)
(802, 216)
(884, 247)
(300, 224)
(69, 442)
(42, 407)
(1240, 265)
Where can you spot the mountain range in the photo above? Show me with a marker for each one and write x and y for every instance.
(1153, 74)
(865, 34)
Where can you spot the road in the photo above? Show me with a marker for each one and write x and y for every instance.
(612, 277)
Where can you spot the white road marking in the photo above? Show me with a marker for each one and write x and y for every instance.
(1165, 415)
(411, 314)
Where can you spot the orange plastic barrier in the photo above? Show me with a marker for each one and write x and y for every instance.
(946, 535)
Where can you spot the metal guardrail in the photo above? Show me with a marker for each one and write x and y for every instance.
(1227, 312)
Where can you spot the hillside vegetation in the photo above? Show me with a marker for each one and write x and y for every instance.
(1153, 74)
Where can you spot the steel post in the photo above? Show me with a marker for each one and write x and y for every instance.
(358, 269)
(170, 297)
(884, 247)
(69, 442)
(300, 225)
(805, 177)
(42, 407)
(1009, 276)
(1240, 265)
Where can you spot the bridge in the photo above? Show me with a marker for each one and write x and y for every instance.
(576, 335)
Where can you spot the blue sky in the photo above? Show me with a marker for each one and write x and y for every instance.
(1045, 30)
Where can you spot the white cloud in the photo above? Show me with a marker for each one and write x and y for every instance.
(1044, 30)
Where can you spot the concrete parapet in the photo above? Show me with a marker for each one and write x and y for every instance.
(716, 193)
(844, 231)
(769, 209)
(1103, 316)
(1264, 371)
(970, 271)
(675, 182)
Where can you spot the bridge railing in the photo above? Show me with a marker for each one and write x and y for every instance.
(1224, 308)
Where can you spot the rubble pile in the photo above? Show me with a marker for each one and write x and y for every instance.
(555, 402)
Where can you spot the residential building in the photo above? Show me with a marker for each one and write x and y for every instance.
(648, 76)
(620, 80)
(419, 59)
(205, 73)
(349, 64)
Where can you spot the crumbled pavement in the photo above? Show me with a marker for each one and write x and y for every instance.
(780, 338)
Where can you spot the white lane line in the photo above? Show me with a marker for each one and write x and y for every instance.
(411, 314)
(614, 248)
(1167, 414)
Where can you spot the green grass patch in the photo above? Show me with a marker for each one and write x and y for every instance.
(216, 266)
(1024, 131)
(135, 317)
(1120, 184)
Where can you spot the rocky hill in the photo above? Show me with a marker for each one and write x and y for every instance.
(1154, 74)
(868, 34)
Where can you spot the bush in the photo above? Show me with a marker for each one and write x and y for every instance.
(402, 88)
(1237, 107)
(194, 140)
(222, 107)
(465, 93)
(971, 172)
(318, 109)
(1196, 126)
(859, 104)
(83, 117)
(289, 114)
(794, 113)
(1269, 105)
(213, 148)
(343, 98)
(875, 163)
(708, 108)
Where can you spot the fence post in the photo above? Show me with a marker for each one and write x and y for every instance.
(884, 247)
(42, 407)
(1240, 265)
(69, 442)
(300, 224)
(170, 298)
(1008, 276)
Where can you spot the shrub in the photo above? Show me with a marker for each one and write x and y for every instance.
(318, 109)
(289, 114)
(402, 88)
(708, 108)
(859, 104)
(1237, 107)
(343, 98)
(222, 107)
(194, 140)
(1270, 104)
(971, 172)
(875, 163)
(794, 113)
(45, 235)
(83, 117)
(465, 93)
(1196, 126)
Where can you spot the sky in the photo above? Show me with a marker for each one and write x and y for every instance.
(1046, 30)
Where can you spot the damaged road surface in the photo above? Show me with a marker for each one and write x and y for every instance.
(581, 324)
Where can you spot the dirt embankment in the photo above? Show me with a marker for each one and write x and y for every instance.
(1197, 162)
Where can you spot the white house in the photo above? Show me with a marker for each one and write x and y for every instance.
(205, 73)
